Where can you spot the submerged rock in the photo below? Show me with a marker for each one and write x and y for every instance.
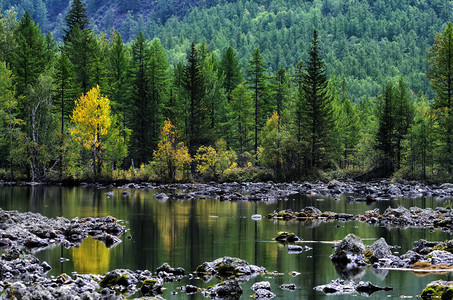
(339, 286)
(227, 290)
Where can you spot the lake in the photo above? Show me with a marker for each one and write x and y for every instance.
(186, 233)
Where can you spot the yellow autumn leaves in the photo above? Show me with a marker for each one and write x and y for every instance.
(92, 117)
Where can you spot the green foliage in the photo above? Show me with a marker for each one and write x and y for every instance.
(440, 73)
(257, 83)
(230, 71)
(28, 60)
(316, 109)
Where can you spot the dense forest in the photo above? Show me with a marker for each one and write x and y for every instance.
(230, 90)
(364, 41)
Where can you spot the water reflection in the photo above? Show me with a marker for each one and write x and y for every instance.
(92, 257)
(187, 233)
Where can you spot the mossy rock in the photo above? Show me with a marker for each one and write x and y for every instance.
(201, 269)
(150, 281)
(284, 236)
(151, 286)
(369, 256)
(226, 271)
(110, 280)
(438, 290)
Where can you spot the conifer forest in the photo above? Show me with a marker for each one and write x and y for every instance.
(226, 90)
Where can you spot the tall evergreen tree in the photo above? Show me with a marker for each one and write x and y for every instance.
(316, 108)
(158, 88)
(29, 56)
(118, 66)
(76, 16)
(298, 116)
(81, 51)
(197, 110)
(386, 126)
(230, 71)
(64, 98)
(440, 72)
(141, 146)
(257, 83)
(280, 86)
(404, 114)
(240, 121)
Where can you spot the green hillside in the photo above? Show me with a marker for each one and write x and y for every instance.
(365, 41)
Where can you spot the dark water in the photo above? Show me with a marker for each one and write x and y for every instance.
(187, 233)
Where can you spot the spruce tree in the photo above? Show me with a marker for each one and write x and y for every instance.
(76, 16)
(29, 59)
(386, 127)
(440, 73)
(141, 147)
(404, 114)
(257, 83)
(158, 88)
(117, 76)
(197, 110)
(64, 98)
(316, 108)
(280, 86)
(230, 71)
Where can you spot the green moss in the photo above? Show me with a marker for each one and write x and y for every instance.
(111, 280)
(432, 291)
(201, 269)
(149, 281)
(369, 256)
(226, 270)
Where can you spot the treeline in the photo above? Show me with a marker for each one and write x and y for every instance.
(94, 107)
(366, 41)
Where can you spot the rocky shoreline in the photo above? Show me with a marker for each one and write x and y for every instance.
(381, 190)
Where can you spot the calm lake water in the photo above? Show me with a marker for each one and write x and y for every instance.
(188, 233)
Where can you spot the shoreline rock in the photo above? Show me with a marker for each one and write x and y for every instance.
(36, 232)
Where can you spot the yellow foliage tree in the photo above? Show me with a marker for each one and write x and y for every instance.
(171, 157)
(212, 162)
(92, 119)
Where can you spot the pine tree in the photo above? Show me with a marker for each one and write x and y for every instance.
(240, 121)
(76, 16)
(80, 48)
(64, 97)
(298, 109)
(257, 83)
(29, 56)
(194, 84)
(141, 148)
(280, 86)
(80, 45)
(386, 127)
(316, 108)
(230, 71)
(440, 72)
(158, 88)
(404, 114)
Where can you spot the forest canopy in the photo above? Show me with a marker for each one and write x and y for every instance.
(233, 91)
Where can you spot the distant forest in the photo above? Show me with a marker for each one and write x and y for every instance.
(230, 91)
(366, 41)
